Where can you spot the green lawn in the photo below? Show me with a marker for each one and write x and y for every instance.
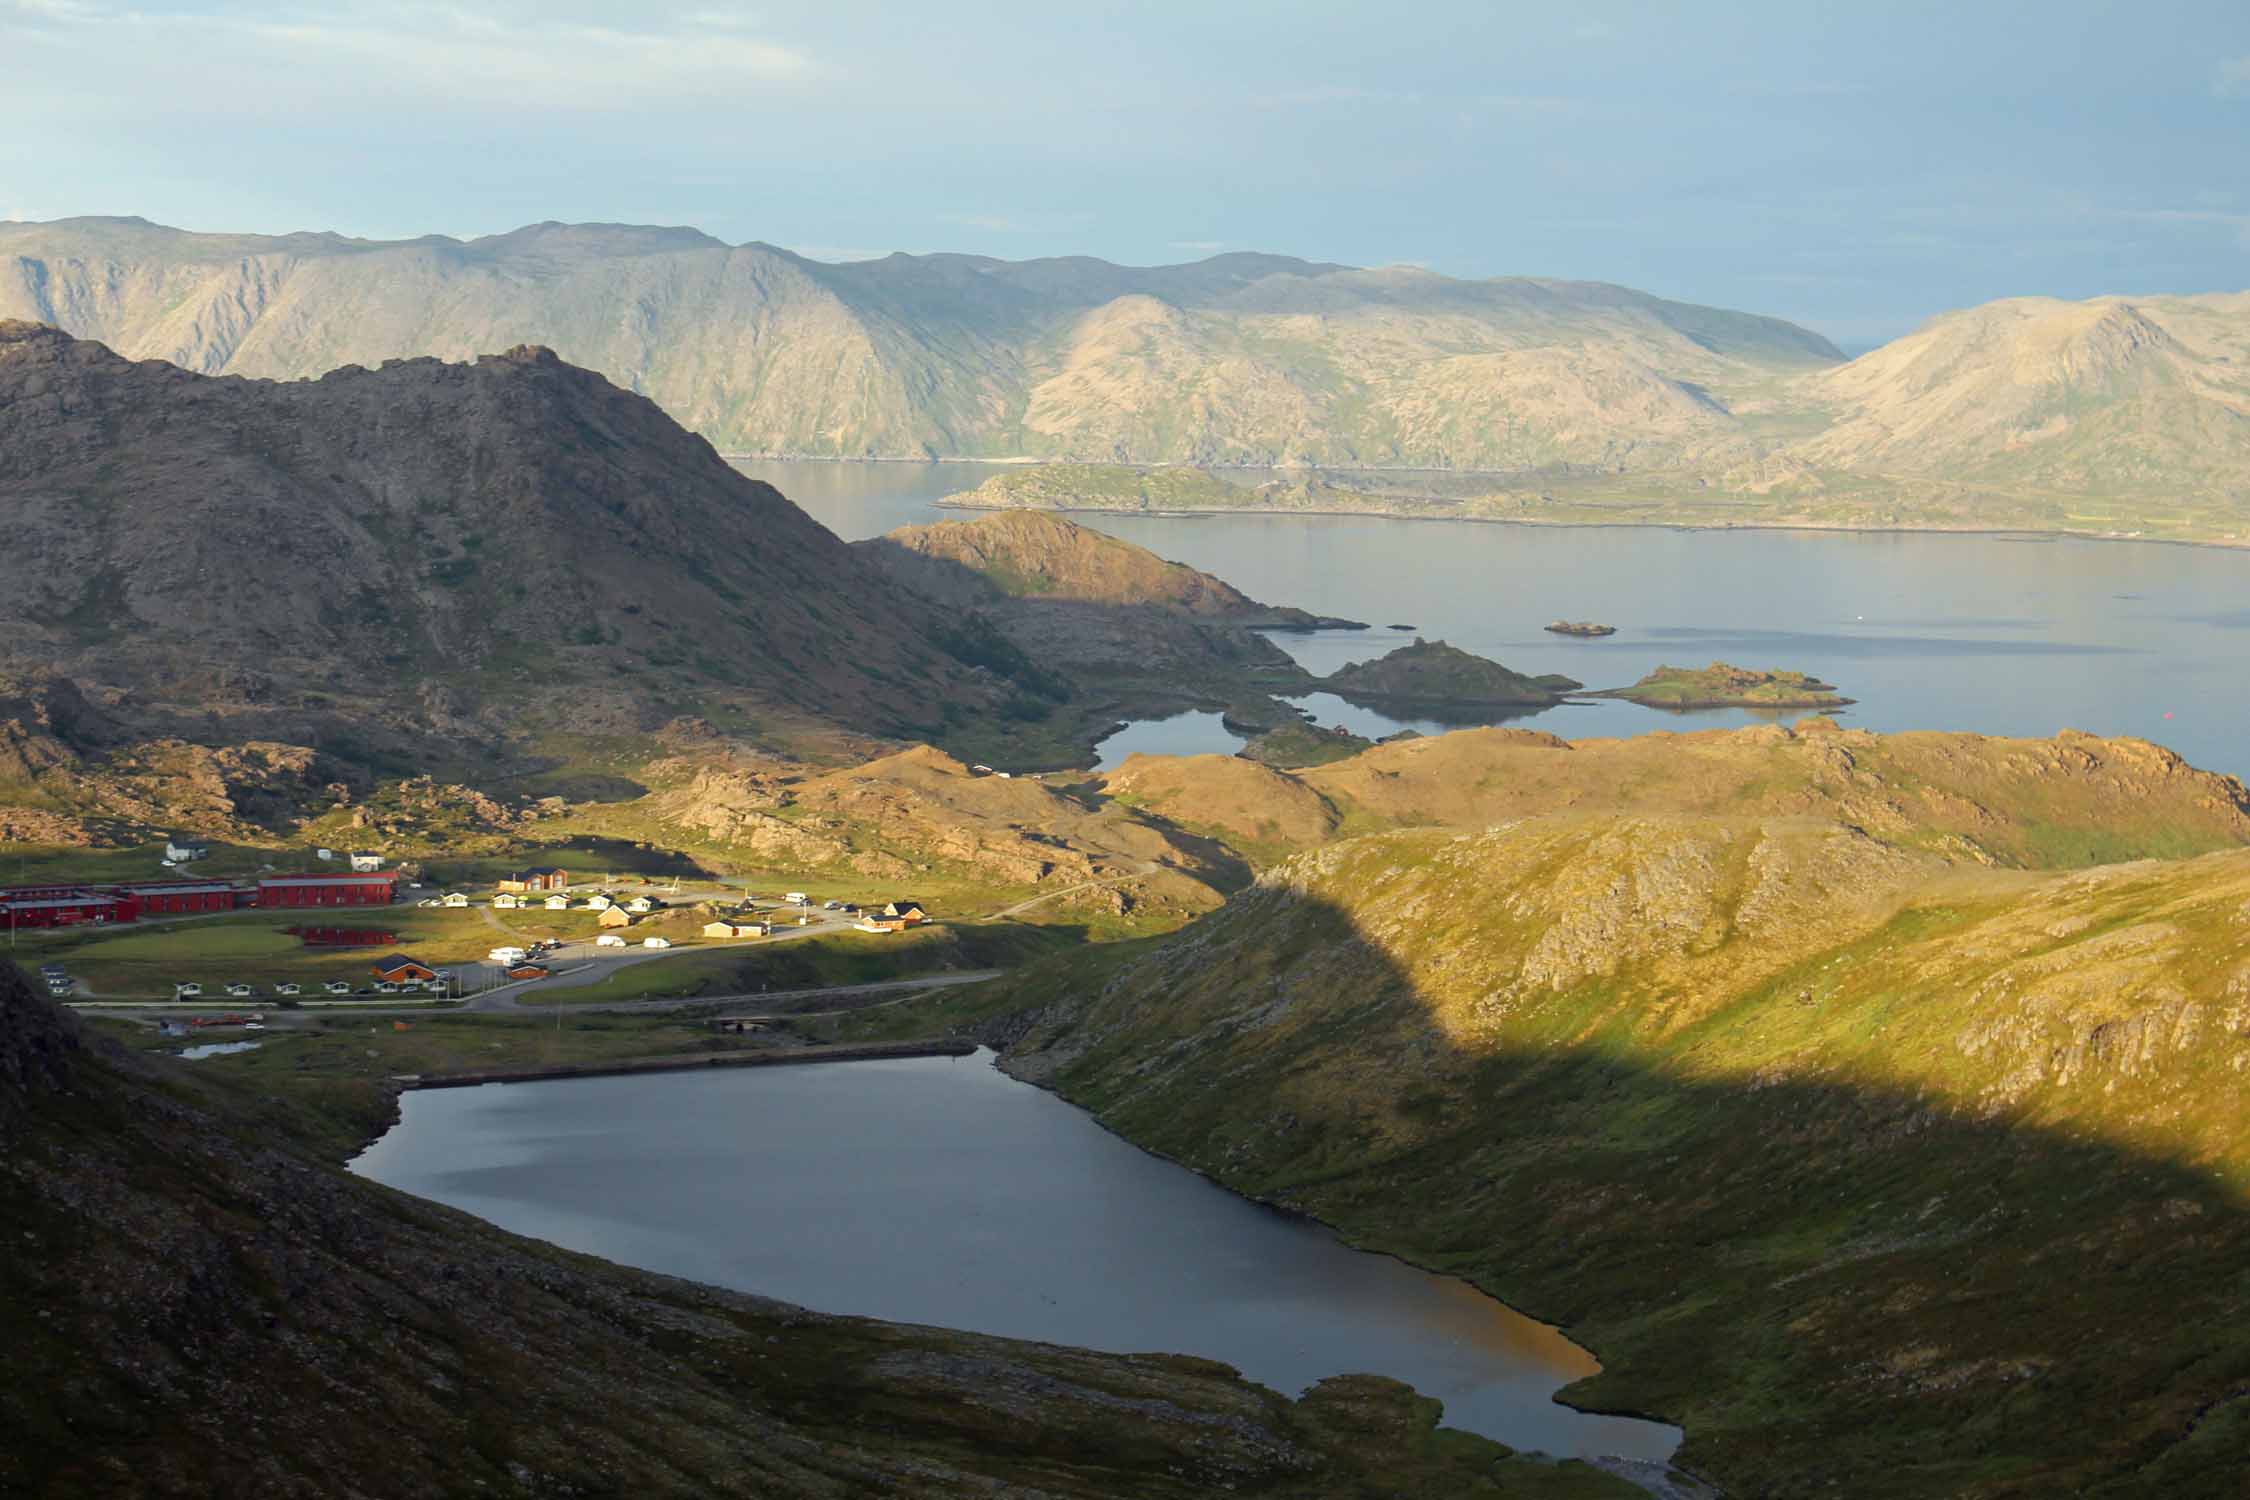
(146, 960)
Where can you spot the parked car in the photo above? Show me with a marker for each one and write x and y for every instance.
(253, 1026)
(187, 991)
(337, 987)
(385, 987)
(831, 906)
(410, 986)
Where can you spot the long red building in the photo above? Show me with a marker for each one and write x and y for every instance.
(328, 890)
(180, 898)
(68, 908)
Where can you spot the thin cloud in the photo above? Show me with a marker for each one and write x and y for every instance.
(2234, 78)
(450, 49)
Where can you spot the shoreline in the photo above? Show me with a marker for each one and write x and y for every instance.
(685, 1062)
(2005, 533)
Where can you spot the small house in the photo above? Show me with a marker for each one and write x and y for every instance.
(876, 921)
(558, 903)
(366, 864)
(507, 901)
(641, 906)
(544, 879)
(454, 898)
(616, 916)
(656, 942)
(906, 909)
(528, 971)
(397, 968)
(599, 902)
(179, 851)
(731, 927)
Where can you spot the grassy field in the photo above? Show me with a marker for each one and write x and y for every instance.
(808, 963)
(145, 961)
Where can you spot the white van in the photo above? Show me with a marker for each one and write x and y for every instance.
(609, 940)
(508, 955)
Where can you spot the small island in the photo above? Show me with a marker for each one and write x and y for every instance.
(1722, 686)
(1581, 628)
(1433, 673)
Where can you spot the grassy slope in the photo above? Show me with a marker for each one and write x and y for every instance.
(1876, 1173)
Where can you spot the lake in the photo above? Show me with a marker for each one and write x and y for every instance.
(941, 1191)
(2002, 635)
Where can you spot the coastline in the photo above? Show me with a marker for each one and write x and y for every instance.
(684, 1062)
(2004, 533)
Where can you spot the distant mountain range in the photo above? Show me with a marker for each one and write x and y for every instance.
(2115, 414)
(1238, 358)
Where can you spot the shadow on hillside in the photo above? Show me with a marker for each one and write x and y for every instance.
(1836, 1288)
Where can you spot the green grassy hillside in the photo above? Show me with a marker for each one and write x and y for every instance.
(1886, 1176)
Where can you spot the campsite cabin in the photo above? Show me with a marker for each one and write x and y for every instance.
(599, 902)
(397, 968)
(454, 898)
(558, 903)
(641, 906)
(729, 927)
(616, 916)
(507, 901)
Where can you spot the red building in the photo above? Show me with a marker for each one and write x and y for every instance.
(328, 890)
(77, 908)
(175, 900)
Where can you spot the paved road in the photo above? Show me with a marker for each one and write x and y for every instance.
(764, 1002)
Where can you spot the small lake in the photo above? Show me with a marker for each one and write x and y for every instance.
(941, 1191)
(1998, 634)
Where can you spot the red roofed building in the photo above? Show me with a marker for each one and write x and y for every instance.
(73, 909)
(328, 890)
(181, 898)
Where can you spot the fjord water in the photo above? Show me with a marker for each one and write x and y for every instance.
(941, 1191)
(1997, 634)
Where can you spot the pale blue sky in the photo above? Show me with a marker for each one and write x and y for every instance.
(1854, 166)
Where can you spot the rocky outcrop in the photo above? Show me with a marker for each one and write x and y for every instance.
(425, 548)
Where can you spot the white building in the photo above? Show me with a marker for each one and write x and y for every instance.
(367, 864)
(178, 850)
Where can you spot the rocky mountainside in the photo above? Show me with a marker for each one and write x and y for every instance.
(2094, 398)
(1239, 358)
(425, 549)
(193, 1307)
(1035, 555)
(1887, 1172)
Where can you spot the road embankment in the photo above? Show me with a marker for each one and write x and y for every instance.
(678, 1062)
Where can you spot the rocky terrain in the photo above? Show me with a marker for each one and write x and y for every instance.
(1974, 799)
(1127, 633)
(1869, 1104)
(1238, 358)
(1434, 674)
(208, 1309)
(1031, 555)
(1722, 686)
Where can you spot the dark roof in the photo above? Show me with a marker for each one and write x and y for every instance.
(46, 901)
(390, 961)
(183, 888)
(339, 879)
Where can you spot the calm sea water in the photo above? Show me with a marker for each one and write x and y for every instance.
(941, 1191)
(1995, 634)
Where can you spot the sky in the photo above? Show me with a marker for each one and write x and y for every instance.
(1855, 167)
